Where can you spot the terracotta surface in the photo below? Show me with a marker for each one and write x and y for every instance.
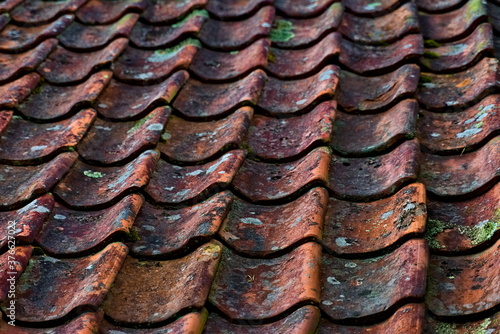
(39, 11)
(103, 12)
(12, 93)
(12, 265)
(367, 7)
(224, 9)
(162, 11)
(300, 8)
(487, 325)
(431, 5)
(5, 118)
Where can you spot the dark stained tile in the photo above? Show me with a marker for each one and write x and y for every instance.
(369, 133)
(81, 36)
(247, 288)
(197, 141)
(111, 142)
(70, 232)
(281, 138)
(442, 91)
(145, 66)
(215, 65)
(50, 288)
(224, 9)
(370, 93)
(383, 29)
(146, 35)
(460, 226)
(289, 33)
(287, 97)
(12, 93)
(12, 65)
(435, 6)
(460, 175)
(352, 289)
(171, 286)
(286, 64)
(464, 284)
(458, 55)
(163, 231)
(161, 11)
(87, 186)
(487, 325)
(18, 38)
(23, 141)
(120, 101)
(374, 177)
(12, 264)
(407, 319)
(355, 228)
(176, 184)
(256, 230)
(303, 320)
(366, 59)
(5, 117)
(259, 181)
(445, 132)
(236, 34)
(63, 99)
(493, 9)
(40, 11)
(301, 8)
(368, 7)
(4, 18)
(7, 5)
(198, 99)
(104, 12)
(19, 184)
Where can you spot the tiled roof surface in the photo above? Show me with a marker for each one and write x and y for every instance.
(250, 166)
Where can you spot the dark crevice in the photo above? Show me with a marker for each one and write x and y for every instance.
(74, 313)
(463, 150)
(444, 10)
(483, 246)
(466, 318)
(463, 197)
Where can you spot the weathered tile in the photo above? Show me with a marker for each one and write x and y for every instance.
(86, 323)
(111, 142)
(71, 232)
(64, 66)
(301, 8)
(5, 118)
(355, 228)
(353, 289)
(12, 264)
(464, 284)
(18, 184)
(370, 93)
(196, 141)
(287, 97)
(164, 231)
(26, 142)
(171, 286)
(40, 11)
(161, 11)
(247, 288)
(490, 324)
(8, 5)
(50, 288)
(120, 101)
(275, 138)
(256, 230)
(199, 99)
(4, 17)
(12, 93)
(368, 7)
(437, 6)
(370, 133)
(176, 184)
(104, 12)
(224, 9)
(88, 186)
(493, 9)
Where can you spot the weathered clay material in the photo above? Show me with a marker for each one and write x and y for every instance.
(12, 265)
(12, 93)
(162, 11)
(435, 6)
(86, 323)
(105, 12)
(487, 325)
(40, 11)
(300, 8)
(224, 9)
(368, 7)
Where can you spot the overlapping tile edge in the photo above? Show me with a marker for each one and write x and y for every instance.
(231, 256)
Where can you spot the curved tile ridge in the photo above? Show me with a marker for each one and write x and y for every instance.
(172, 184)
(8, 5)
(370, 8)
(460, 226)
(303, 320)
(69, 232)
(198, 141)
(356, 228)
(448, 92)
(487, 325)
(301, 8)
(381, 30)
(234, 9)
(261, 182)
(360, 93)
(105, 12)
(282, 97)
(24, 142)
(5, 118)
(456, 56)
(198, 99)
(171, 286)
(437, 6)
(409, 318)
(163, 231)
(64, 66)
(374, 133)
(162, 11)
(85, 323)
(50, 288)
(12, 264)
(39, 11)
(291, 33)
(463, 285)
(256, 230)
(236, 34)
(62, 99)
(12, 93)
(454, 24)
(246, 288)
(459, 131)
(19, 184)
(461, 175)
(354, 289)
(365, 179)
(88, 186)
